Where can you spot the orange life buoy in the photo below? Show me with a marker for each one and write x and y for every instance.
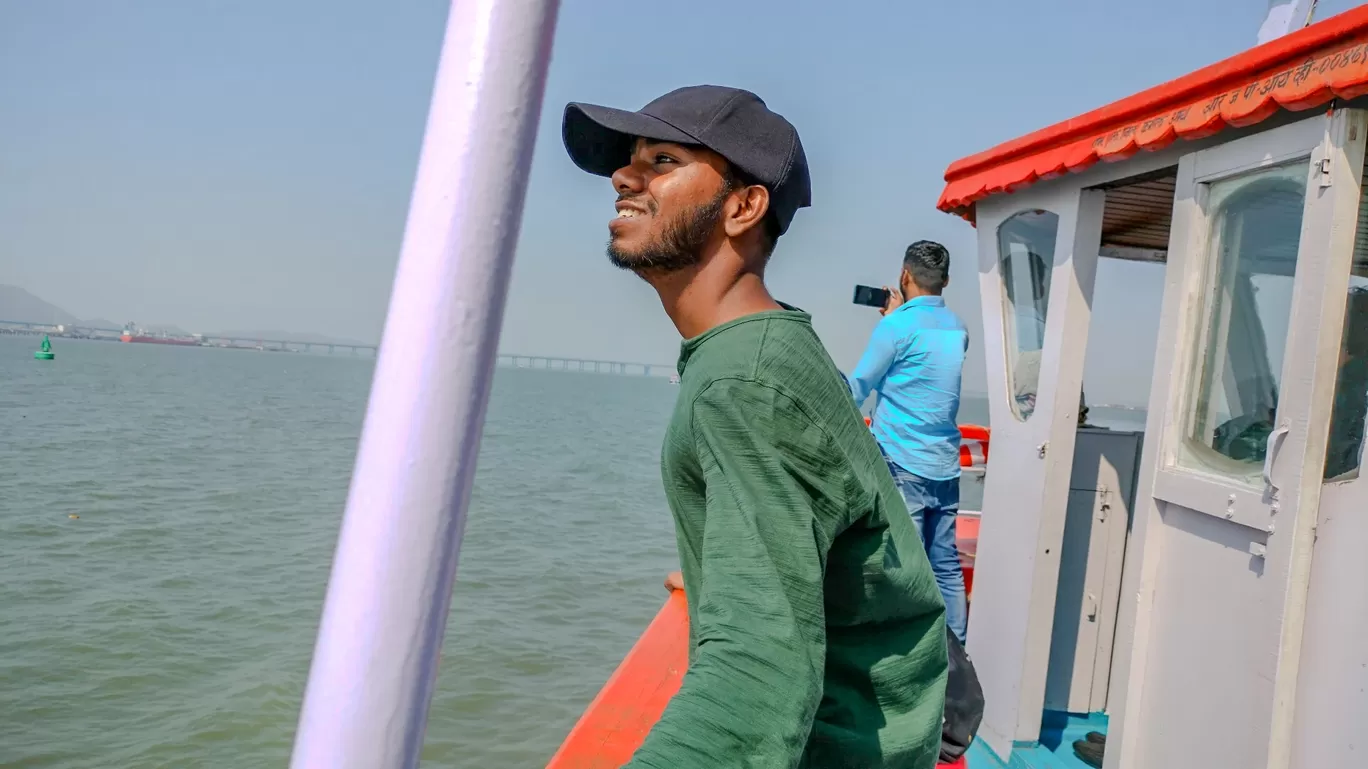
(973, 444)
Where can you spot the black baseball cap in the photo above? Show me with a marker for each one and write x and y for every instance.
(734, 123)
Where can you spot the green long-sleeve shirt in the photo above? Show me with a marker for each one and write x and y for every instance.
(818, 631)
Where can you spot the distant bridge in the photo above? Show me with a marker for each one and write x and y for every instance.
(539, 362)
(550, 363)
(28, 327)
(283, 345)
(54, 329)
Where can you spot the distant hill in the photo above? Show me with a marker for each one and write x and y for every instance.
(18, 304)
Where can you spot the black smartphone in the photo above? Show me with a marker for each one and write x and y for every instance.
(870, 296)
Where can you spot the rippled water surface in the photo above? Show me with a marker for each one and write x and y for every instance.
(171, 623)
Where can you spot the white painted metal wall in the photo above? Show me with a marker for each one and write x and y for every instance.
(1214, 602)
(1332, 695)
(1013, 591)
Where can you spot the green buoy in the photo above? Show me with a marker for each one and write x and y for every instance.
(46, 352)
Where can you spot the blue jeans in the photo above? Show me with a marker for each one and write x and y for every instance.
(934, 506)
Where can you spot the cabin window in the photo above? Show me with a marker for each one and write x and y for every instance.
(1344, 453)
(1349, 414)
(1026, 245)
(1253, 237)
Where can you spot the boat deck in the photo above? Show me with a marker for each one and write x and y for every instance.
(1058, 731)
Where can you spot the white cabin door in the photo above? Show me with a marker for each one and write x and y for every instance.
(1038, 252)
(1263, 232)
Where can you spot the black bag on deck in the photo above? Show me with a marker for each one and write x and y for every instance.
(963, 703)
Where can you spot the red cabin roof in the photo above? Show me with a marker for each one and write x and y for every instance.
(1300, 71)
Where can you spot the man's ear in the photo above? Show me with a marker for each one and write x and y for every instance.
(745, 210)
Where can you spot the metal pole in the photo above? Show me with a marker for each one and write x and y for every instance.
(389, 594)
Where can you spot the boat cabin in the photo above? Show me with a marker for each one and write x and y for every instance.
(1197, 591)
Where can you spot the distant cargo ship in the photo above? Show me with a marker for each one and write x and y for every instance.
(159, 340)
(137, 336)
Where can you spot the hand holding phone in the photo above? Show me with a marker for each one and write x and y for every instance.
(886, 299)
(871, 297)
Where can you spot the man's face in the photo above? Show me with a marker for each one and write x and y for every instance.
(670, 203)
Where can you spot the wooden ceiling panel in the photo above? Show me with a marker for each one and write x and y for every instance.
(1138, 215)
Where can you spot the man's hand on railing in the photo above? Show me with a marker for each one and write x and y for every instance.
(674, 581)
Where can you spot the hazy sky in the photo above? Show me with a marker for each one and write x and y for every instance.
(247, 164)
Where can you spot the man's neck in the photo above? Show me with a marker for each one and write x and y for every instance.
(716, 292)
(912, 291)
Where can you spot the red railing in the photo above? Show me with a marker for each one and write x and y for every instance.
(616, 722)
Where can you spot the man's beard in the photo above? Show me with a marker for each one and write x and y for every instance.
(679, 247)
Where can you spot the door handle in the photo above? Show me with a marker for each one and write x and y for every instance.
(1275, 441)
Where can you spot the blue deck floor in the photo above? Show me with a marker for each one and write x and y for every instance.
(1055, 750)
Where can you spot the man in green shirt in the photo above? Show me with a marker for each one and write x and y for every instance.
(817, 628)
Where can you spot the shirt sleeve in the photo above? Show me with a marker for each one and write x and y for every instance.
(878, 356)
(755, 679)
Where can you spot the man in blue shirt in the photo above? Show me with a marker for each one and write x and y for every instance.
(913, 362)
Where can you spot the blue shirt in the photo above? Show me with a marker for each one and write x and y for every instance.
(913, 362)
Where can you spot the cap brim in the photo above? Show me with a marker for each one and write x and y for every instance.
(599, 139)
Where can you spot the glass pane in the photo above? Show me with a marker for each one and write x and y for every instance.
(1026, 245)
(1255, 225)
(1344, 454)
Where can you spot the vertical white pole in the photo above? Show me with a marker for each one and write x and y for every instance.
(375, 662)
